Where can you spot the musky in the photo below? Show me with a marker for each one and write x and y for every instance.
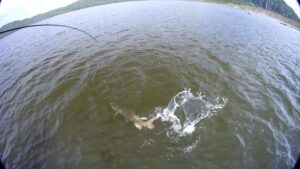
(11, 10)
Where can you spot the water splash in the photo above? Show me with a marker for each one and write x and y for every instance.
(185, 110)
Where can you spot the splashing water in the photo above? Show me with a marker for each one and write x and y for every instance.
(185, 110)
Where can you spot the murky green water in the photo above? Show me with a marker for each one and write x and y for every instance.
(225, 85)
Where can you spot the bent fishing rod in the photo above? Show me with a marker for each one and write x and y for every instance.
(56, 25)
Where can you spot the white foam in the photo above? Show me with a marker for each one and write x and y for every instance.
(185, 110)
(191, 147)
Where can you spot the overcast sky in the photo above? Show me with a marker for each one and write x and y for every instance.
(11, 10)
(294, 5)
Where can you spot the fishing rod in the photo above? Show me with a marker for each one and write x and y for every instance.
(56, 25)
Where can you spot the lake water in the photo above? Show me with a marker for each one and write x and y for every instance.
(223, 82)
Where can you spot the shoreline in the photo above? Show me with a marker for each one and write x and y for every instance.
(243, 6)
(249, 9)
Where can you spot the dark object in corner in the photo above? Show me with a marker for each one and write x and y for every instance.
(297, 165)
(1, 165)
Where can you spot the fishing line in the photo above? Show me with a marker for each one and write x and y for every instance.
(57, 25)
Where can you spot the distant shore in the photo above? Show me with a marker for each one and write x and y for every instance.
(249, 9)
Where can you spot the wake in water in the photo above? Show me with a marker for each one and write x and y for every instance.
(185, 110)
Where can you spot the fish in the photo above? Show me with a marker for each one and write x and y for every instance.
(130, 116)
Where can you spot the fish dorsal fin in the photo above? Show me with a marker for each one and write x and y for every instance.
(138, 126)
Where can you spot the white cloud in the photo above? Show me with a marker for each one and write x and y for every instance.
(294, 5)
(11, 10)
